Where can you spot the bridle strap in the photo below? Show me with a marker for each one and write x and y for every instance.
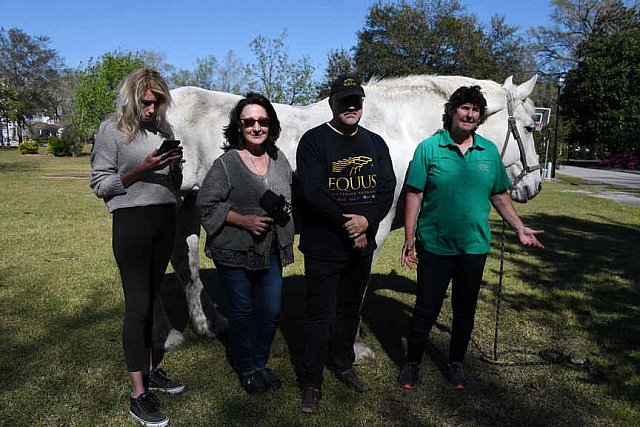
(512, 129)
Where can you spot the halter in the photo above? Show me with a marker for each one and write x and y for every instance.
(512, 129)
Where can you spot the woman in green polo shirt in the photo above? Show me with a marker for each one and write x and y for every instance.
(454, 178)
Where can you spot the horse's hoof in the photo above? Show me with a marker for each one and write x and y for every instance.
(174, 340)
(363, 353)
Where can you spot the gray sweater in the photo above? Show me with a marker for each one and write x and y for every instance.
(112, 156)
(230, 185)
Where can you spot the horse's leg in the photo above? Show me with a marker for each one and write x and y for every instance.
(165, 336)
(205, 318)
(362, 351)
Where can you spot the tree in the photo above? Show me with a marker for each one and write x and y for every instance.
(339, 62)
(28, 66)
(62, 93)
(572, 22)
(229, 76)
(233, 76)
(601, 98)
(202, 76)
(204, 73)
(427, 37)
(9, 103)
(278, 78)
(96, 92)
(157, 61)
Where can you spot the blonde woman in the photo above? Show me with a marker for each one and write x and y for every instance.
(139, 182)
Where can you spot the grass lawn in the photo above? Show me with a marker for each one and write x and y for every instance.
(61, 305)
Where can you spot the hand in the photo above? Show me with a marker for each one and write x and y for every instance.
(408, 257)
(360, 242)
(155, 162)
(256, 224)
(527, 237)
(152, 162)
(356, 225)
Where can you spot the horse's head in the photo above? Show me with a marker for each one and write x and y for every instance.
(512, 116)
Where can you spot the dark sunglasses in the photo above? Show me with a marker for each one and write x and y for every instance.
(249, 123)
(148, 102)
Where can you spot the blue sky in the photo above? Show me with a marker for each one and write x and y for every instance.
(185, 30)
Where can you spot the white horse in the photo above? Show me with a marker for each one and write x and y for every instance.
(404, 111)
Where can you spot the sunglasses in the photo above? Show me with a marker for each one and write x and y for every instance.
(249, 123)
(148, 102)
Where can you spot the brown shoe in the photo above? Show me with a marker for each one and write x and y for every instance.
(350, 377)
(310, 402)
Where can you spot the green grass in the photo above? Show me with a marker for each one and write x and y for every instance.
(61, 305)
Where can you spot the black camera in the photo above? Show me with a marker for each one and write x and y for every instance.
(276, 207)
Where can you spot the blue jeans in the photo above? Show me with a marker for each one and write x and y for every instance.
(254, 298)
(434, 274)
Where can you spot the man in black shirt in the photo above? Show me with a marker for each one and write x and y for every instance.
(345, 185)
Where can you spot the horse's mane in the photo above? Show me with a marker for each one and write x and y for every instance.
(396, 87)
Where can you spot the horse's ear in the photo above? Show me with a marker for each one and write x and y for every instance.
(508, 82)
(525, 89)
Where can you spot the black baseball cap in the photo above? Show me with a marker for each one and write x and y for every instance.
(346, 85)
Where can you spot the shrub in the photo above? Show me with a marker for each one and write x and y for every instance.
(28, 146)
(621, 161)
(73, 139)
(58, 147)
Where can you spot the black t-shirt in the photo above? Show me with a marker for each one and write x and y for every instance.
(338, 174)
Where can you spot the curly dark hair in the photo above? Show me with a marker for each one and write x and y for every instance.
(233, 131)
(464, 95)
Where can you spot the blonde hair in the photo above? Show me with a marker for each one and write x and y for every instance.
(129, 110)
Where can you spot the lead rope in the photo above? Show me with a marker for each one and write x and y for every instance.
(546, 356)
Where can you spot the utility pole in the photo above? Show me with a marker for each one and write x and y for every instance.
(559, 85)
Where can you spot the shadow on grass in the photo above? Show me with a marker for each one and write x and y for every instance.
(58, 356)
(590, 271)
(578, 254)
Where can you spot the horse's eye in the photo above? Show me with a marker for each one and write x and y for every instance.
(529, 128)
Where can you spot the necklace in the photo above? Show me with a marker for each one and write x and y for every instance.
(259, 166)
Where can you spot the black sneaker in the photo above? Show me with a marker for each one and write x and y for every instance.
(350, 377)
(144, 409)
(253, 383)
(158, 381)
(408, 376)
(269, 378)
(457, 376)
(310, 401)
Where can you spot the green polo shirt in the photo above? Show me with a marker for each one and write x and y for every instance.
(454, 216)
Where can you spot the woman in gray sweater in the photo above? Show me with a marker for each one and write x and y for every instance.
(245, 209)
(138, 184)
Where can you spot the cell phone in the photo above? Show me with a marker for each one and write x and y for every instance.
(168, 145)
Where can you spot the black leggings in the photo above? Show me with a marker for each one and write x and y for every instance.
(434, 274)
(142, 243)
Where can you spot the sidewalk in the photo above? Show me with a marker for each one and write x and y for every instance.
(621, 180)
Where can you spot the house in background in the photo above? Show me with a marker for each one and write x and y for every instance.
(38, 127)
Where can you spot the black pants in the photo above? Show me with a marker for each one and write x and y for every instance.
(434, 274)
(334, 297)
(142, 243)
